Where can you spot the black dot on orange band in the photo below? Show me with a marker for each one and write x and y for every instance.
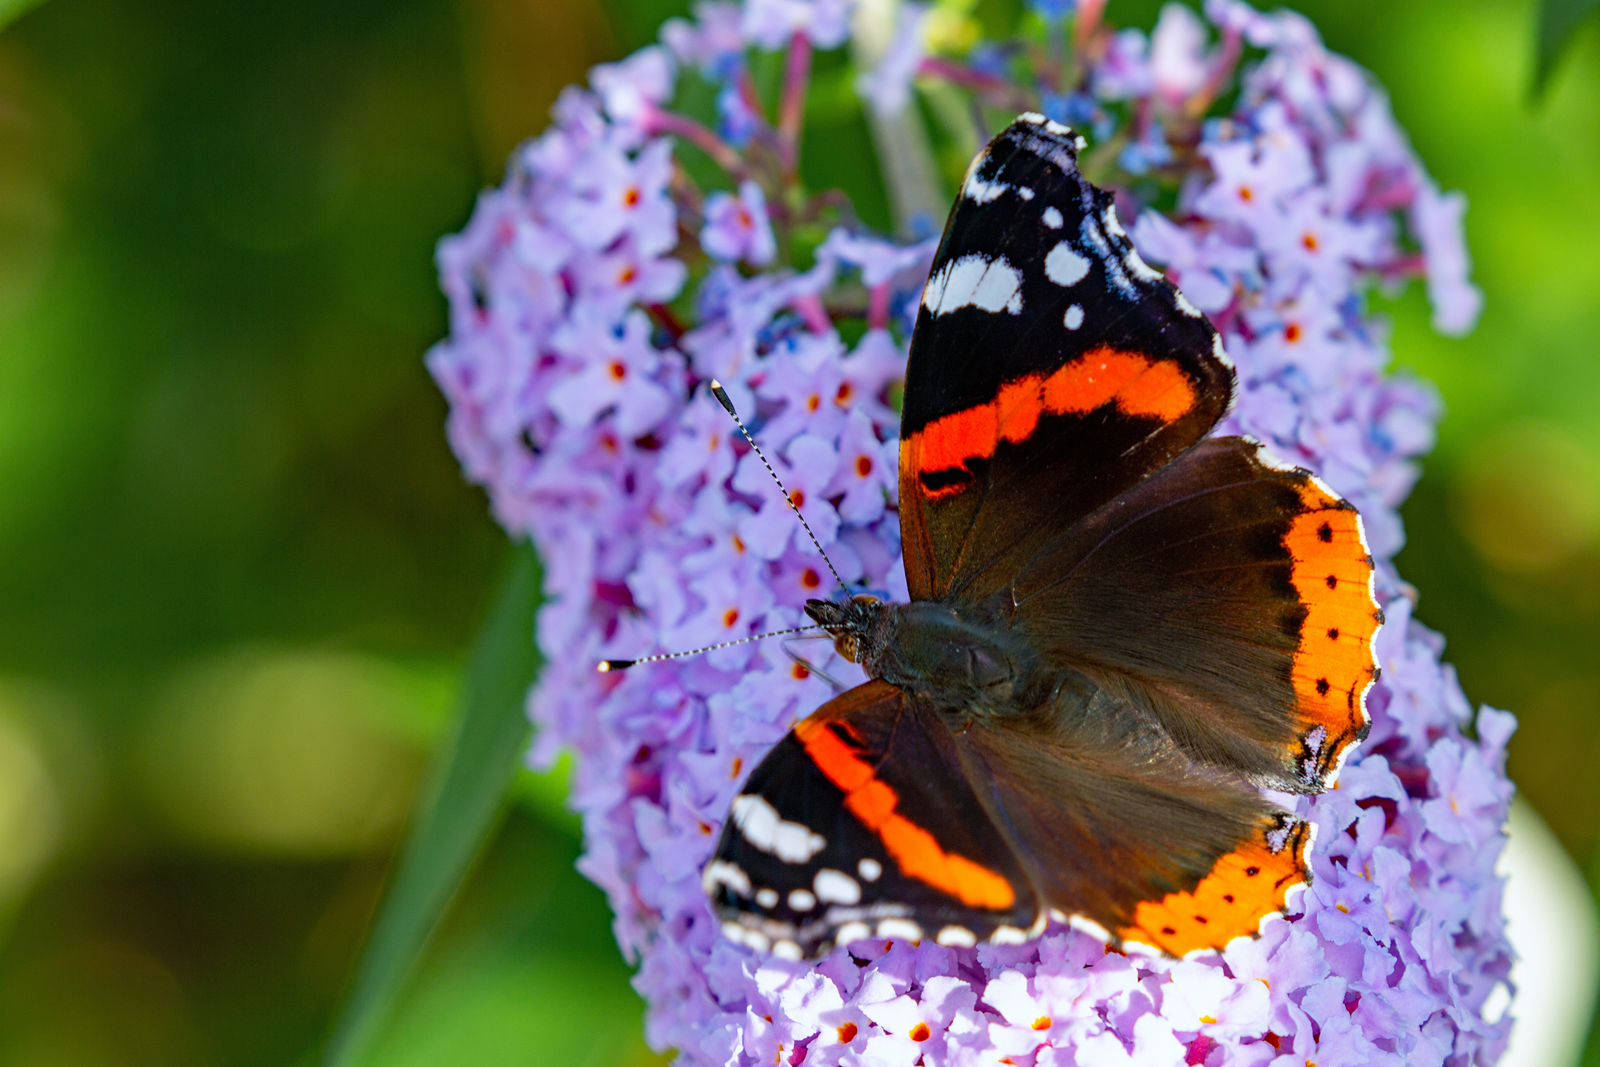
(1325, 532)
(1333, 581)
(1322, 687)
(1168, 930)
(1252, 871)
(1228, 897)
(1333, 633)
(1201, 919)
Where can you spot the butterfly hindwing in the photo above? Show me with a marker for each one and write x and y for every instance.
(881, 816)
(1230, 597)
(1050, 368)
(861, 823)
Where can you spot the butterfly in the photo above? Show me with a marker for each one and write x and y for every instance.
(1120, 631)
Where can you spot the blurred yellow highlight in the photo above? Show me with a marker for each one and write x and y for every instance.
(1528, 497)
(297, 753)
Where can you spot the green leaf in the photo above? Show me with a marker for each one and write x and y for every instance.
(11, 10)
(1558, 21)
(457, 812)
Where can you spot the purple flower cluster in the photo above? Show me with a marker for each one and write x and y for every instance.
(599, 288)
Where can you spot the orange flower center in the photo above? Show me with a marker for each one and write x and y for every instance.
(810, 578)
(730, 617)
(919, 1032)
(863, 465)
(619, 370)
(1291, 332)
(630, 197)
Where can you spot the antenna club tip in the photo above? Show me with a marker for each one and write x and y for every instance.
(722, 397)
(606, 666)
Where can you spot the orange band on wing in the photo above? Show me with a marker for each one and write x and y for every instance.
(1139, 386)
(914, 849)
(1334, 663)
(1244, 886)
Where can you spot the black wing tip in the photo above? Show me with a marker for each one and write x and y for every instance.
(1034, 124)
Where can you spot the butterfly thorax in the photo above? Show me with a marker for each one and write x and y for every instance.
(953, 659)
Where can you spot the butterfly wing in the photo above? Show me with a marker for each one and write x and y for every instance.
(861, 823)
(1050, 369)
(883, 816)
(1230, 598)
(1115, 824)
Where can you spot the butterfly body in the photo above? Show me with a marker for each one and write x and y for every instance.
(964, 658)
(1120, 630)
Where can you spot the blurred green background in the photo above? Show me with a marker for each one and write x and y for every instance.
(242, 570)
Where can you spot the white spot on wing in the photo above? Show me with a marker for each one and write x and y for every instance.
(721, 872)
(1007, 935)
(766, 897)
(980, 191)
(1074, 317)
(836, 887)
(957, 936)
(900, 929)
(1090, 927)
(974, 281)
(869, 869)
(1140, 268)
(1031, 116)
(760, 824)
(1024, 192)
(856, 931)
(1064, 265)
(1052, 218)
(1113, 225)
(786, 950)
(802, 900)
(1218, 351)
(1184, 305)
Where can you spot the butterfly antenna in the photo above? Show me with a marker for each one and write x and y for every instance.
(722, 397)
(607, 665)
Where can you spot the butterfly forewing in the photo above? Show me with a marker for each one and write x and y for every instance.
(1049, 364)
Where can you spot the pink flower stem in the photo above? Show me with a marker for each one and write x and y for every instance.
(1001, 92)
(1221, 71)
(792, 108)
(1089, 12)
(751, 98)
(878, 307)
(721, 153)
(810, 308)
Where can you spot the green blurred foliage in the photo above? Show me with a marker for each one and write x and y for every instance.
(245, 570)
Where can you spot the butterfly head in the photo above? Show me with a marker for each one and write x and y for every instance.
(856, 625)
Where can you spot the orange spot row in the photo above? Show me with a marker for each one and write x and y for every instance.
(914, 849)
(1229, 902)
(1138, 385)
(1333, 665)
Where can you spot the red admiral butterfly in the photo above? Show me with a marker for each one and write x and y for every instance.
(1119, 632)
